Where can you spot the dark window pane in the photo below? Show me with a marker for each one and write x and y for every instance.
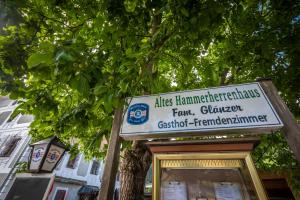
(9, 146)
(60, 195)
(15, 102)
(72, 162)
(95, 167)
(4, 116)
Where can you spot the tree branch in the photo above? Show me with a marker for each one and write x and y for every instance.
(62, 22)
(182, 64)
(223, 76)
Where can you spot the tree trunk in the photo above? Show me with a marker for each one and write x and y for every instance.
(133, 171)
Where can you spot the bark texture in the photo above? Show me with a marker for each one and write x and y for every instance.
(133, 171)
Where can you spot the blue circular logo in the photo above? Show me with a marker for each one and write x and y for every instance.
(138, 114)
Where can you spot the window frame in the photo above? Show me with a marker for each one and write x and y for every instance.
(7, 117)
(2, 99)
(95, 171)
(75, 161)
(24, 123)
(13, 148)
(60, 188)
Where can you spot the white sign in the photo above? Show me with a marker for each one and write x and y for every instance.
(228, 191)
(230, 107)
(173, 190)
(52, 158)
(37, 155)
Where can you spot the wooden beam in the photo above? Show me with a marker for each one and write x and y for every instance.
(241, 140)
(112, 159)
(291, 128)
(202, 148)
(212, 145)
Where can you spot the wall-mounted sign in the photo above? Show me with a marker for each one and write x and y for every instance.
(228, 108)
(52, 158)
(46, 154)
(37, 155)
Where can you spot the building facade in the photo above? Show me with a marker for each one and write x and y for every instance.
(75, 177)
(14, 140)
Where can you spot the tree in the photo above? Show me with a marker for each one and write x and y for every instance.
(75, 62)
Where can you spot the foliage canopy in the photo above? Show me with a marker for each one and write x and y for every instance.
(75, 61)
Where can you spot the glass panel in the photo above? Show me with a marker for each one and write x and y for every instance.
(37, 155)
(206, 184)
(4, 116)
(95, 167)
(60, 195)
(83, 167)
(72, 162)
(53, 156)
(25, 119)
(15, 102)
(9, 146)
(148, 181)
(4, 101)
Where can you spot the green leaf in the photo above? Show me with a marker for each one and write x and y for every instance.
(81, 84)
(185, 12)
(39, 58)
(128, 52)
(63, 56)
(99, 89)
(108, 103)
(123, 86)
(130, 5)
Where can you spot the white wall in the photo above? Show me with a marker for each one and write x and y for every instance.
(8, 130)
(81, 166)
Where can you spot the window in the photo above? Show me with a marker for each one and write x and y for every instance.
(60, 194)
(95, 167)
(10, 119)
(15, 102)
(25, 119)
(4, 116)
(9, 146)
(83, 167)
(72, 162)
(4, 101)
